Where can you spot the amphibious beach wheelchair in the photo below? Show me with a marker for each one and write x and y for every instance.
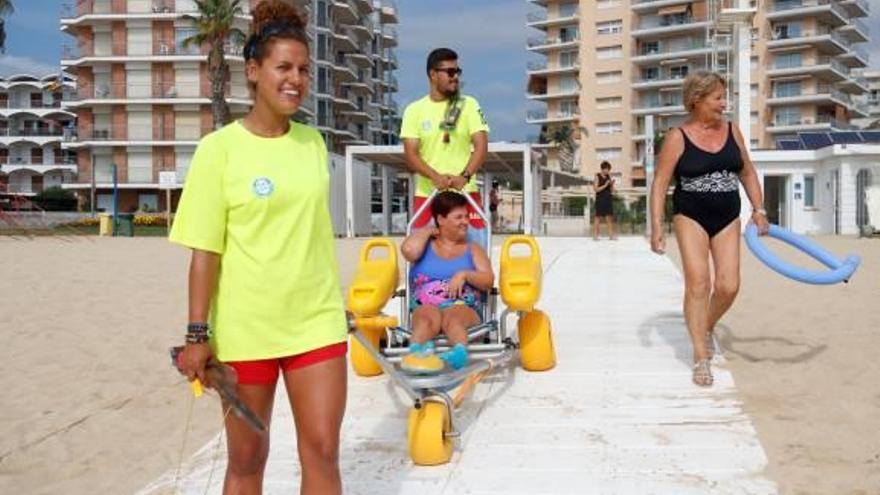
(379, 342)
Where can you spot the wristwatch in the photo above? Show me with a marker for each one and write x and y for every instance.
(467, 175)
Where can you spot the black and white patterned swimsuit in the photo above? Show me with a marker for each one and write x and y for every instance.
(707, 184)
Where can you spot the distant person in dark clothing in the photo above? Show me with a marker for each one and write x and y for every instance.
(494, 201)
(604, 188)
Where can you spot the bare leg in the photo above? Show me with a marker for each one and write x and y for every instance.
(725, 258)
(317, 398)
(595, 227)
(247, 449)
(694, 245)
(456, 321)
(609, 221)
(425, 323)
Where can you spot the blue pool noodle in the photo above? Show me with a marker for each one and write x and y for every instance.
(839, 270)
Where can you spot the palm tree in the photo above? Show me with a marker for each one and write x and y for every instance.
(215, 27)
(563, 136)
(6, 9)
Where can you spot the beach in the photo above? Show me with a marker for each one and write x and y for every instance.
(92, 404)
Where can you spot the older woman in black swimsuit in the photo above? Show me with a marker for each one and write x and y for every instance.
(708, 158)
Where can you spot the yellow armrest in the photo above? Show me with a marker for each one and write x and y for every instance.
(375, 280)
(520, 280)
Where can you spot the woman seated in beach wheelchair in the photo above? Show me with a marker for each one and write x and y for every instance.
(450, 336)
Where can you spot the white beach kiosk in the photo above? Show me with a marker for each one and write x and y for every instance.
(505, 161)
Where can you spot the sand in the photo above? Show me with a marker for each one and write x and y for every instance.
(805, 362)
(91, 404)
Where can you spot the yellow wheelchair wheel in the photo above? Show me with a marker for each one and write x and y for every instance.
(536, 342)
(426, 434)
(361, 360)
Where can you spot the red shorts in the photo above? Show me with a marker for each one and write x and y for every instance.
(425, 217)
(265, 371)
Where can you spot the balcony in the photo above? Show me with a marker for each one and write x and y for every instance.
(658, 81)
(362, 30)
(545, 43)
(39, 166)
(855, 56)
(825, 40)
(388, 12)
(544, 117)
(389, 37)
(856, 31)
(825, 68)
(542, 68)
(685, 49)
(662, 25)
(360, 59)
(855, 84)
(119, 134)
(343, 11)
(540, 20)
(856, 8)
(797, 124)
(344, 41)
(821, 94)
(824, 11)
(72, 56)
(552, 95)
(670, 104)
(652, 5)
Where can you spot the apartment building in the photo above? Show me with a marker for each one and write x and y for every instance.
(143, 98)
(872, 99)
(630, 57)
(32, 126)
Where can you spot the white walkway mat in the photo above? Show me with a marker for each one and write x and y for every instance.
(617, 415)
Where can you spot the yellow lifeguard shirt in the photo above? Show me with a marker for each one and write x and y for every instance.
(422, 119)
(263, 205)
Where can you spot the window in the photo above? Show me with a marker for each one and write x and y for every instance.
(323, 83)
(568, 10)
(608, 153)
(787, 116)
(609, 128)
(567, 34)
(568, 59)
(787, 88)
(609, 52)
(651, 73)
(753, 144)
(322, 47)
(787, 60)
(607, 103)
(568, 108)
(754, 118)
(678, 72)
(650, 47)
(809, 191)
(786, 31)
(611, 77)
(607, 4)
(322, 14)
(568, 84)
(609, 27)
(754, 90)
(753, 63)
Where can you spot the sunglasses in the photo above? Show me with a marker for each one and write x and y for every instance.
(450, 71)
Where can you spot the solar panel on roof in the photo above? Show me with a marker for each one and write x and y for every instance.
(790, 144)
(871, 136)
(815, 140)
(845, 137)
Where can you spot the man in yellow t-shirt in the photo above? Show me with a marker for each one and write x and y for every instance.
(445, 135)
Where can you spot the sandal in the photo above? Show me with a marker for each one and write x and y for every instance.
(702, 373)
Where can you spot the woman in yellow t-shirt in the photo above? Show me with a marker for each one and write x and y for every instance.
(264, 293)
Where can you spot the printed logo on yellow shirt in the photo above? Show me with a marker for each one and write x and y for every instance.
(263, 187)
(426, 125)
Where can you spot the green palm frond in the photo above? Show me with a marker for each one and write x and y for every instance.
(215, 22)
(6, 8)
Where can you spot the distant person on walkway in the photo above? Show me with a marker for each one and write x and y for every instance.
(264, 294)
(445, 136)
(603, 186)
(709, 160)
(494, 202)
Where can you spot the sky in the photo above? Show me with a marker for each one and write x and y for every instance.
(489, 36)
